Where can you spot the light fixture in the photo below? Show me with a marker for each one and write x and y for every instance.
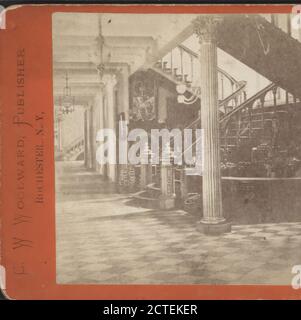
(181, 89)
(102, 59)
(66, 101)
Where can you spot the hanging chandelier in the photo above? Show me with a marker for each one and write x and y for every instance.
(66, 100)
(102, 58)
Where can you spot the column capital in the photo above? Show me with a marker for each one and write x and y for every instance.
(88, 106)
(205, 27)
(109, 79)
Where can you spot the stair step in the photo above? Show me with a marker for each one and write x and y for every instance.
(144, 202)
(79, 178)
(153, 187)
(145, 198)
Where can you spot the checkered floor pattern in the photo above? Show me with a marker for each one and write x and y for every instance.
(102, 240)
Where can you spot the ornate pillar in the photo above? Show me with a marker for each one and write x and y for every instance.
(145, 170)
(183, 180)
(213, 222)
(99, 124)
(87, 129)
(167, 198)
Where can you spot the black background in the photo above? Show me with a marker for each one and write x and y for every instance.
(90, 310)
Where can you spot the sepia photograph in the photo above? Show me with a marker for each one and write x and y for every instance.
(177, 148)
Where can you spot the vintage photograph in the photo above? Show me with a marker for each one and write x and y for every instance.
(177, 148)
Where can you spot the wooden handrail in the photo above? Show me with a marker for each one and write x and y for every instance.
(245, 104)
(240, 85)
(196, 56)
(249, 101)
(222, 103)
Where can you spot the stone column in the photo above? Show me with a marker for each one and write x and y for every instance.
(110, 116)
(213, 222)
(88, 137)
(124, 92)
(123, 111)
(94, 126)
(99, 124)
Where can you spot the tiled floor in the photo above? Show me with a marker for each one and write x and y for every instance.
(100, 239)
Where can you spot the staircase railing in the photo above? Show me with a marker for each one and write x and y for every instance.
(246, 104)
(182, 69)
(73, 144)
(177, 70)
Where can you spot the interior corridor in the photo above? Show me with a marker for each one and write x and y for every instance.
(102, 239)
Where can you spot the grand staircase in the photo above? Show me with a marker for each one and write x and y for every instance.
(173, 68)
(73, 180)
(72, 151)
(244, 122)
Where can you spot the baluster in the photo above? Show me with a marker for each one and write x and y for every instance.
(222, 86)
(237, 129)
(286, 97)
(262, 99)
(239, 97)
(181, 60)
(171, 62)
(275, 97)
(249, 109)
(236, 101)
(232, 86)
(191, 65)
